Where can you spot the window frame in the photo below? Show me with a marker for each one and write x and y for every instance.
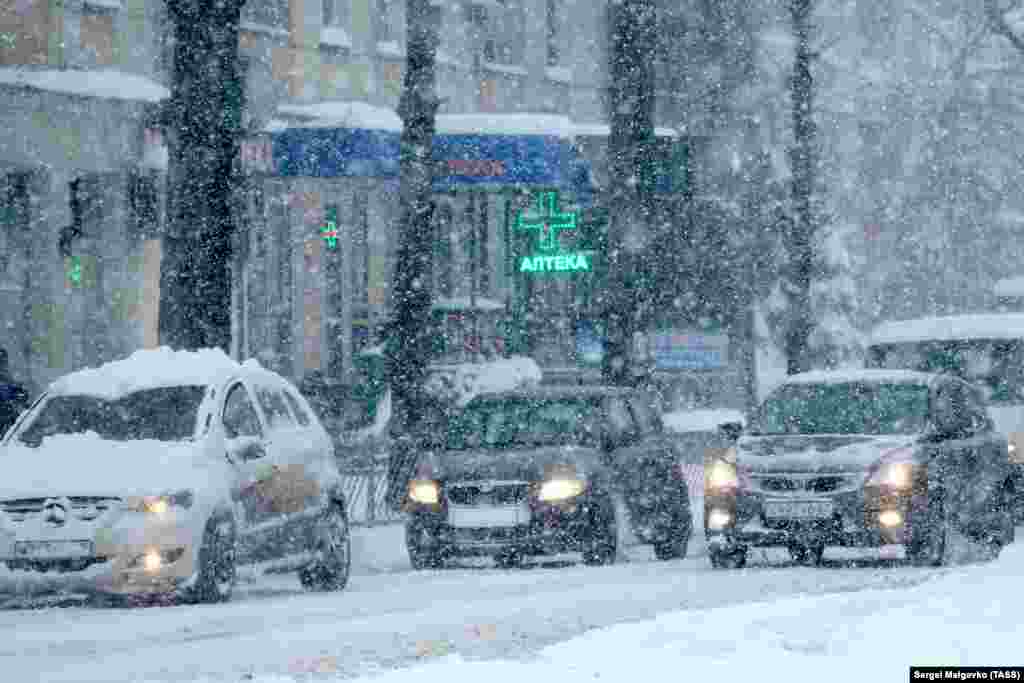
(228, 393)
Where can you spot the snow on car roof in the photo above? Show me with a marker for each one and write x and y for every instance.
(869, 376)
(151, 369)
(951, 328)
(704, 420)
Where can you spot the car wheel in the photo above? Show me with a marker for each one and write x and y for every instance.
(217, 570)
(509, 560)
(422, 547)
(675, 547)
(330, 570)
(931, 548)
(728, 559)
(602, 541)
(809, 556)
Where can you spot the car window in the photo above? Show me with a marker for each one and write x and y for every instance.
(240, 417)
(275, 409)
(300, 413)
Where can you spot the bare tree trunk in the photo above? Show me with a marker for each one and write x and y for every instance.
(799, 237)
(408, 344)
(204, 121)
(630, 161)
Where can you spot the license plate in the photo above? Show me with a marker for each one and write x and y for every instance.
(487, 516)
(798, 509)
(52, 550)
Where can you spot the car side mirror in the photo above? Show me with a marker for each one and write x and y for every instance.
(731, 430)
(245, 448)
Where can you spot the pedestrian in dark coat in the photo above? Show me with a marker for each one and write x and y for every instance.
(13, 396)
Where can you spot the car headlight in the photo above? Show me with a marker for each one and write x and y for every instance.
(560, 489)
(722, 475)
(424, 491)
(160, 505)
(894, 475)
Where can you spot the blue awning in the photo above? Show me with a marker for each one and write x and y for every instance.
(478, 161)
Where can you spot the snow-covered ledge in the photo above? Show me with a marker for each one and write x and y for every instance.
(101, 83)
(104, 4)
(335, 36)
(390, 48)
(559, 74)
(507, 69)
(343, 114)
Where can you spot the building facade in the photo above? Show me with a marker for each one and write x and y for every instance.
(81, 188)
(521, 144)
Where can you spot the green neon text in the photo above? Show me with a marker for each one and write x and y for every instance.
(578, 262)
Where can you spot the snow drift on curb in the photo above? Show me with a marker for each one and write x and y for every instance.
(965, 617)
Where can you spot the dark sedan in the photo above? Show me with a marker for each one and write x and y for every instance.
(534, 473)
(866, 459)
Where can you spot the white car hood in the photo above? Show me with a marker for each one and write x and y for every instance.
(86, 465)
(805, 453)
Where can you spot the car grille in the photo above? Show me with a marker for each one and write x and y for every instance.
(805, 484)
(82, 507)
(494, 494)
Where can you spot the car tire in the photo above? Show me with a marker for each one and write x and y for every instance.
(601, 544)
(676, 546)
(509, 560)
(807, 556)
(217, 570)
(932, 548)
(422, 555)
(728, 559)
(331, 570)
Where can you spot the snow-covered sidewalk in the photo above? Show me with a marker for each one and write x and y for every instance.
(967, 617)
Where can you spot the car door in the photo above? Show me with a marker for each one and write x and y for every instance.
(989, 463)
(247, 449)
(955, 457)
(288, 491)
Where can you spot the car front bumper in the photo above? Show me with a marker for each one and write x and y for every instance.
(855, 521)
(122, 562)
(551, 529)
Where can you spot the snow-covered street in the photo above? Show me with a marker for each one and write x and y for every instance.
(390, 617)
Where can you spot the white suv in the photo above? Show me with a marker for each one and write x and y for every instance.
(161, 473)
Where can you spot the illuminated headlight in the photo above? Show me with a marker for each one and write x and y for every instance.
(560, 489)
(890, 518)
(1011, 451)
(722, 475)
(718, 519)
(160, 505)
(424, 491)
(896, 475)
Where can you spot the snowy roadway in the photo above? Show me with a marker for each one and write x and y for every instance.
(390, 617)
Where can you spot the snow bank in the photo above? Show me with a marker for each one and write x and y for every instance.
(967, 617)
(706, 420)
(105, 83)
(460, 383)
(150, 369)
(951, 328)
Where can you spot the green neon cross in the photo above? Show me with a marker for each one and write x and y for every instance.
(75, 272)
(548, 221)
(330, 234)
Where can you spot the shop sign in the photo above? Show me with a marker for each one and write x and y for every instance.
(684, 350)
(549, 221)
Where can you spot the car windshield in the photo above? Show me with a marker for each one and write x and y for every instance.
(163, 414)
(997, 366)
(847, 408)
(509, 423)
